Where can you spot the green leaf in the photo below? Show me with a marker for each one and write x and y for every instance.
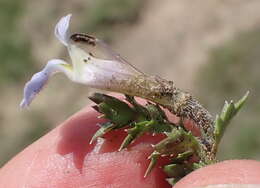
(105, 127)
(179, 145)
(196, 166)
(174, 170)
(142, 111)
(183, 156)
(178, 141)
(153, 157)
(241, 102)
(113, 109)
(160, 127)
(138, 130)
(222, 121)
(156, 113)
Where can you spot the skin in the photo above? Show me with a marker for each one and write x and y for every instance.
(63, 158)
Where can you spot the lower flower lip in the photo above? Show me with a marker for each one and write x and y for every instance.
(33, 87)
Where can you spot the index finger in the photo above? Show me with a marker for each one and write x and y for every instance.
(64, 158)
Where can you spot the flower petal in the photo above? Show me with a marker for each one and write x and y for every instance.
(33, 87)
(99, 45)
(39, 79)
(62, 29)
(110, 75)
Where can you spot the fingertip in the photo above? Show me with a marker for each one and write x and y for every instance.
(226, 172)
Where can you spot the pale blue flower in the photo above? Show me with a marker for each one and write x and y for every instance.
(85, 68)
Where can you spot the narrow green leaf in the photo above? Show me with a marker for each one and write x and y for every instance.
(153, 157)
(241, 102)
(106, 127)
(196, 166)
(219, 126)
(128, 140)
(160, 127)
(228, 112)
(167, 145)
(174, 170)
(183, 156)
(138, 130)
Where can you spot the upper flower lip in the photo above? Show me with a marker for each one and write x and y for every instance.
(93, 41)
(62, 29)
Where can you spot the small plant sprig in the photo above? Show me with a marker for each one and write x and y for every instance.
(179, 144)
(186, 151)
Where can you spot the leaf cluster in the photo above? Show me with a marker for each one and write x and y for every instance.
(179, 144)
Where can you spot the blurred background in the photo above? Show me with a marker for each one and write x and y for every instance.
(209, 48)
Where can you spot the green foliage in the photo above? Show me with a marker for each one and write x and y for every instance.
(179, 144)
(223, 119)
(232, 69)
(14, 49)
(117, 111)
